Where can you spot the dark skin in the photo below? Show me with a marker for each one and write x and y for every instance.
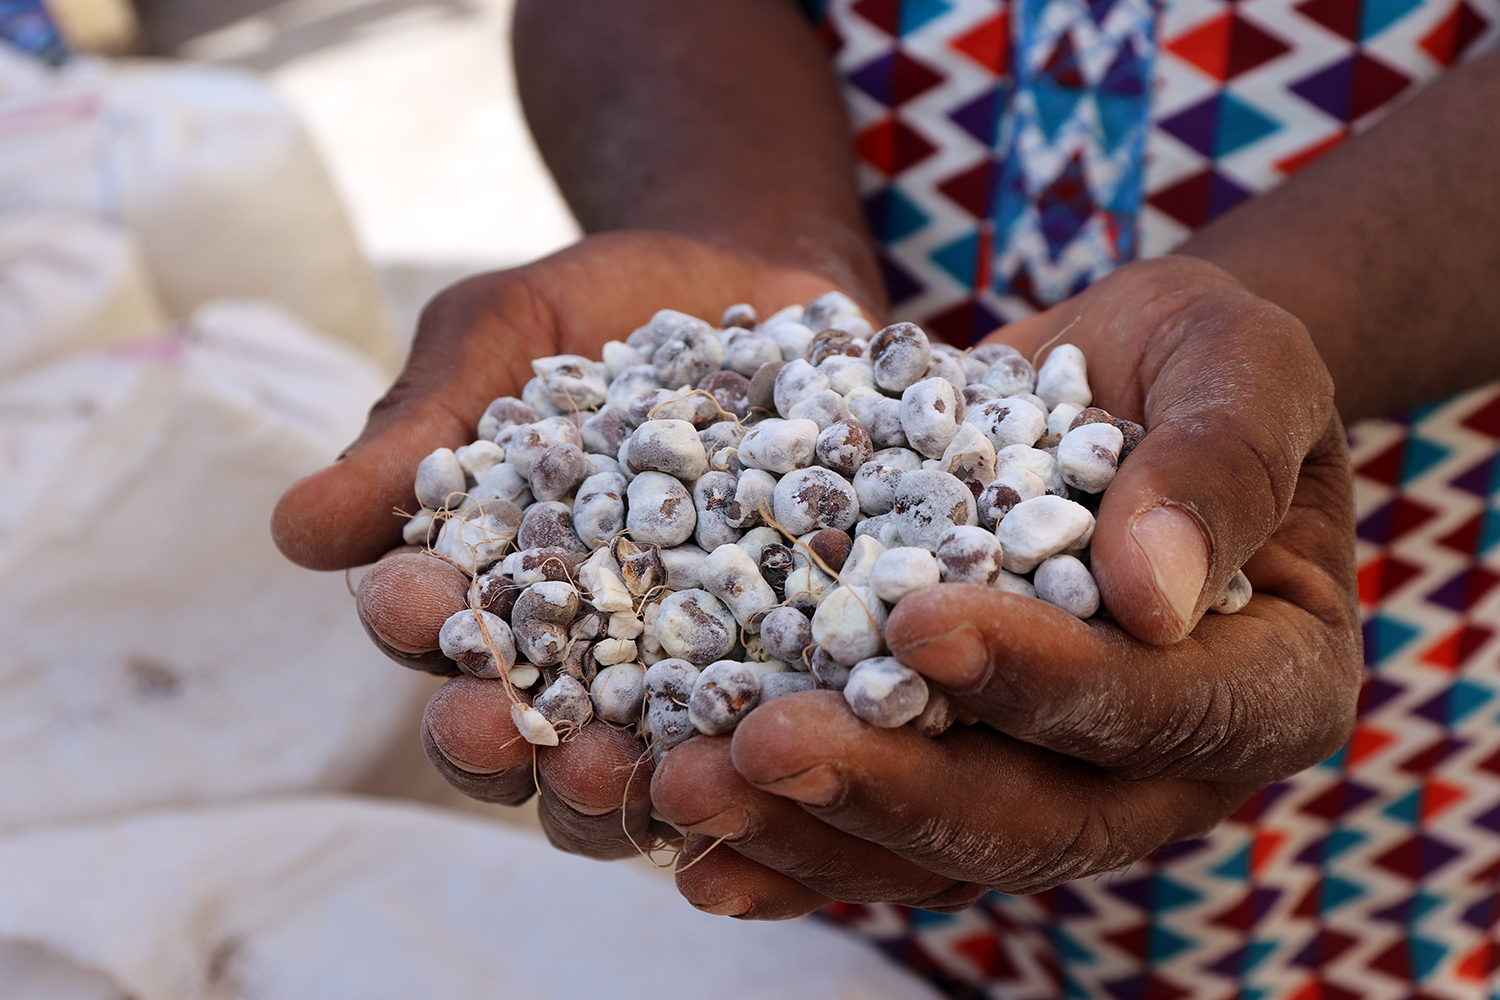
(705, 144)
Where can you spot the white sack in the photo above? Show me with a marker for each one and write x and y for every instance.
(155, 648)
(209, 170)
(341, 899)
(68, 282)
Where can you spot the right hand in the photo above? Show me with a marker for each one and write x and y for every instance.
(474, 343)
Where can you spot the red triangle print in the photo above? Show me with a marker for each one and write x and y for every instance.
(1477, 965)
(1366, 742)
(1309, 906)
(1454, 649)
(1437, 797)
(1206, 46)
(988, 44)
(972, 190)
(891, 146)
(1306, 157)
(1488, 875)
(985, 952)
(1383, 576)
(1385, 467)
(1374, 85)
(884, 14)
(1486, 420)
(1267, 844)
(1430, 756)
(1453, 35)
(1395, 961)
(1465, 538)
(1312, 990)
(1491, 764)
(1135, 941)
(1339, 16)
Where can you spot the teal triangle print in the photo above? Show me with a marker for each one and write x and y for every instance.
(1337, 892)
(916, 13)
(959, 258)
(1240, 125)
(1420, 456)
(1165, 944)
(1377, 15)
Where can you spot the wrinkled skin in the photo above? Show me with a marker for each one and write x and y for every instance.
(1101, 741)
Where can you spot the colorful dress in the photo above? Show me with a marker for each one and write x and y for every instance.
(1012, 151)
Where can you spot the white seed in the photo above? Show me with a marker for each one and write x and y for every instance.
(479, 643)
(608, 652)
(1088, 455)
(779, 446)
(1063, 378)
(629, 384)
(969, 554)
(831, 675)
(478, 458)
(669, 446)
(1042, 527)
(792, 337)
(694, 625)
(682, 564)
(1064, 581)
(786, 632)
(861, 559)
(785, 682)
(734, 578)
(440, 480)
(713, 499)
(931, 411)
(1004, 492)
(1035, 460)
(900, 354)
(1061, 417)
(659, 510)
(624, 625)
(421, 529)
(796, 381)
(969, 457)
(565, 703)
(599, 507)
(850, 624)
(844, 446)
(533, 725)
(746, 350)
(807, 499)
(1010, 375)
(828, 309)
(618, 356)
(617, 693)
(806, 587)
(504, 413)
(571, 382)
(898, 571)
(1235, 595)
(928, 503)
(1013, 584)
(480, 535)
(669, 684)
(503, 482)
(846, 374)
(1009, 421)
(756, 539)
(725, 692)
(558, 470)
(884, 693)
(687, 353)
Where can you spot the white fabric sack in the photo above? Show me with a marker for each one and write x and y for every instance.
(343, 899)
(210, 171)
(68, 282)
(155, 648)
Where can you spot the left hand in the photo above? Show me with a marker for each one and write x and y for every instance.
(1103, 739)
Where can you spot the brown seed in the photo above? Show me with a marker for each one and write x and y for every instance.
(832, 546)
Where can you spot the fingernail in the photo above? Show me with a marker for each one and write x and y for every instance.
(728, 825)
(820, 785)
(958, 659)
(732, 907)
(1177, 553)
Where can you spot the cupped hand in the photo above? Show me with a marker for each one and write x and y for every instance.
(474, 343)
(1099, 740)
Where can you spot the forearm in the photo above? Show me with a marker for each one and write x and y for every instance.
(1388, 248)
(716, 119)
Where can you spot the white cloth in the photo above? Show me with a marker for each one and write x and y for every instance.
(343, 899)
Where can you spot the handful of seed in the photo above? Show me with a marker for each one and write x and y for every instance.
(713, 517)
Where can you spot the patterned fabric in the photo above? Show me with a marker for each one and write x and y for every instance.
(1375, 875)
(27, 25)
(1013, 151)
(1003, 143)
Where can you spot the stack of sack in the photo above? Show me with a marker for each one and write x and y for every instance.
(186, 327)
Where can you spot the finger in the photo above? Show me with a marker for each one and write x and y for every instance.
(1235, 399)
(717, 880)
(348, 514)
(403, 602)
(596, 793)
(699, 791)
(469, 735)
(972, 805)
(1254, 696)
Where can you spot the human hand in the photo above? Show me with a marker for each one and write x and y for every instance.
(1103, 739)
(475, 343)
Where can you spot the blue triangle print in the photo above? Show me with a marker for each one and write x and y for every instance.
(1256, 953)
(1119, 118)
(1239, 125)
(892, 216)
(1069, 950)
(1384, 637)
(1235, 867)
(1377, 15)
(927, 918)
(1054, 105)
(1099, 9)
(916, 13)
(981, 116)
(1464, 699)
(1337, 892)
(1420, 455)
(1165, 944)
(1168, 895)
(959, 258)
(1425, 956)
(1489, 534)
(1407, 808)
(1324, 851)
